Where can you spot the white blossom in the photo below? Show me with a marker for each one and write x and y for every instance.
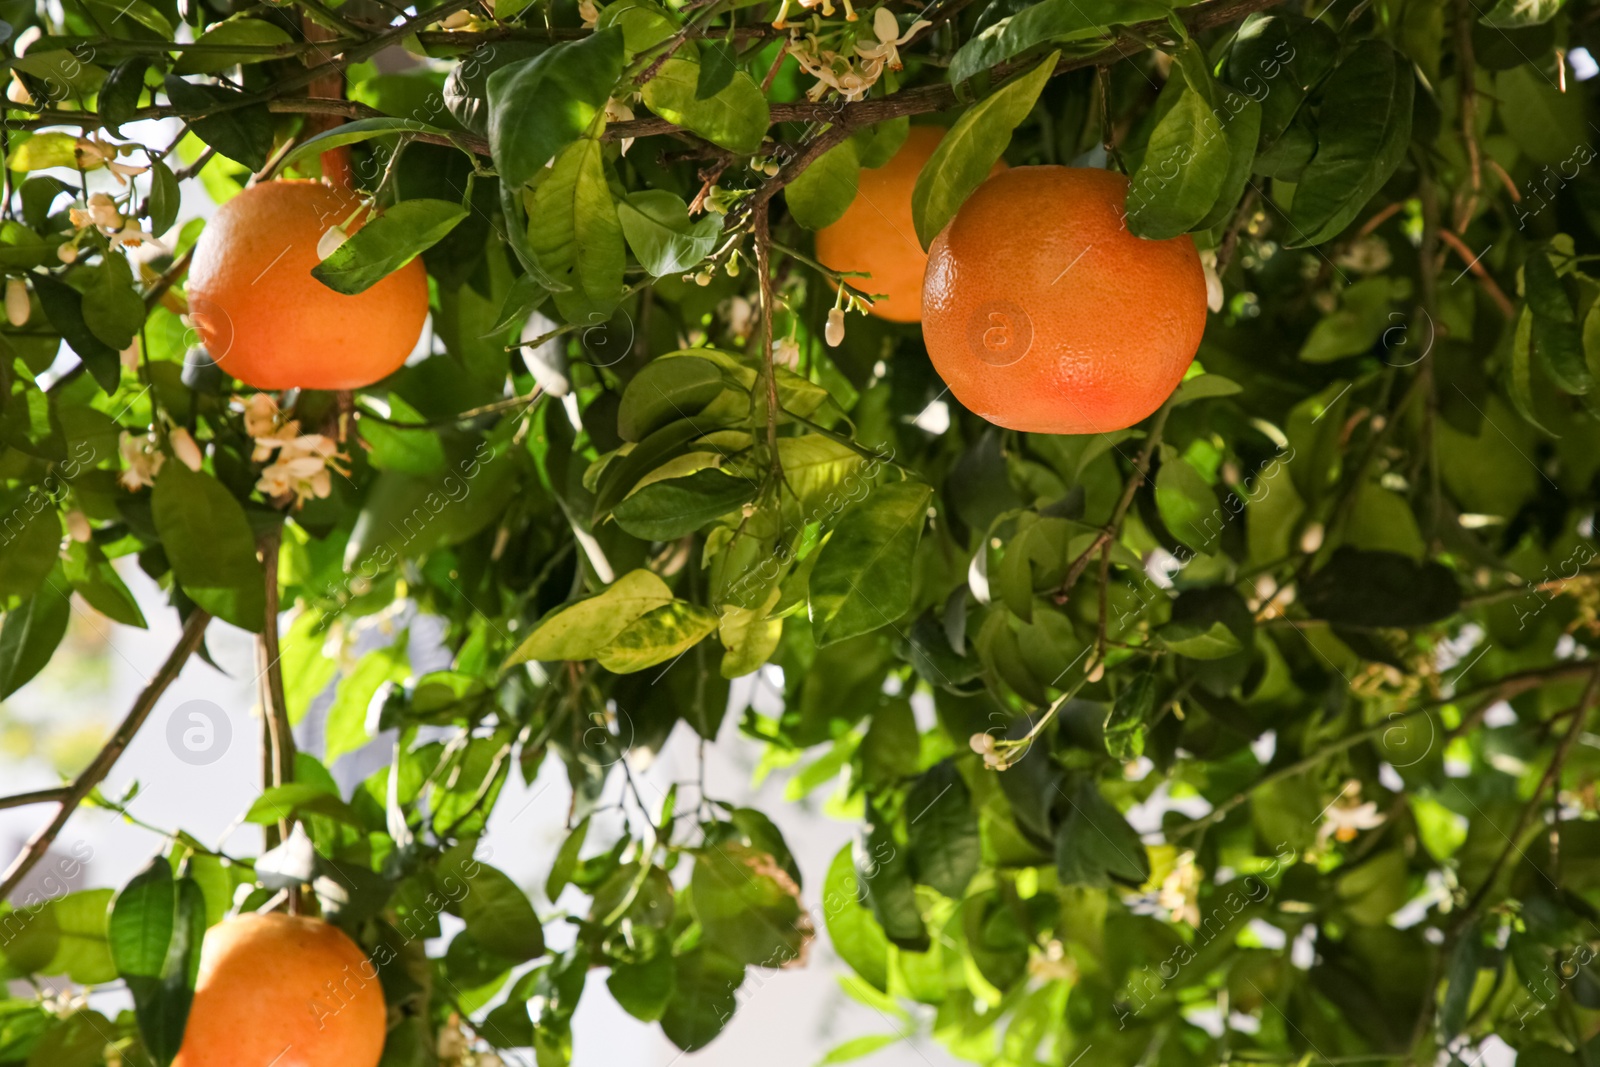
(141, 461)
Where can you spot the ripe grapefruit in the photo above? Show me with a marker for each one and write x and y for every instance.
(876, 233)
(268, 322)
(284, 990)
(1042, 313)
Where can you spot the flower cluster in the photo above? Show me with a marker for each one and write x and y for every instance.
(101, 214)
(302, 460)
(852, 76)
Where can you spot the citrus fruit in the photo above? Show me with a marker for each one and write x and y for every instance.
(268, 322)
(876, 234)
(285, 990)
(1042, 313)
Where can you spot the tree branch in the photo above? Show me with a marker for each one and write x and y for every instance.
(194, 631)
(1504, 689)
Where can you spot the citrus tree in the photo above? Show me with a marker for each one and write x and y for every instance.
(1251, 725)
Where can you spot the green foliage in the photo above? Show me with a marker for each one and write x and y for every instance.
(1257, 732)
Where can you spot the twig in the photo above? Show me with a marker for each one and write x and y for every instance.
(1552, 774)
(278, 738)
(194, 630)
(1504, 689)
(1475, 264)
(1141, 467)
(38, 796)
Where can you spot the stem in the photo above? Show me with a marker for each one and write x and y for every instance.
(1141, 467)
(38, 796)
(278, 754)
(194, 630)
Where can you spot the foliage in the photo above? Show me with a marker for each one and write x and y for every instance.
(1257, 732)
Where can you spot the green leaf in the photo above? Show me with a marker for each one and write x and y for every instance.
(853, 932)
(1242, 127)
(862, 579)
(736, 118)
(155, 931)
(748, 907)
(1374, 589)
(398, 449)
(210, 546)
(1204, 387)
(63, 936)
(112, 310)
(566, 860)
(663, 239)
(1520, 387)
(356, 132)
(347, 718)
(643, 989)
(499, 915)
(1130, 714)
(703, 997)
(254, 34)
(63, 306)
(94, 578)
(1186, 503)
(717, 66)
(1362, 135)
(673, 508)
(943, 828)
(971, 148)
(580, 630)
(121, 92)
(884, 870)
(242, 133)
(142, 917)
(824, 190)
(1199, 640)
(749, 635)
(43, 151)
(657, 636)
(574, 231)
(386, 243)
(1049, 21)
(30, 542)
(1095, 846)
(1186, 161)
(31, 631)
(1364, 315)
(165, 198)
(540, 105)
(664, 391)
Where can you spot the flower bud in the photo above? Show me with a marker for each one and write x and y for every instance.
(184, 447)
(17, 309)
(78, 526)
(834, 334)
(67, 253)
(330, 242)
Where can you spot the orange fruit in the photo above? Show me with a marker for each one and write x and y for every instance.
(876, 234)
(285, 990)
(268, 322)
(1042, 313)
